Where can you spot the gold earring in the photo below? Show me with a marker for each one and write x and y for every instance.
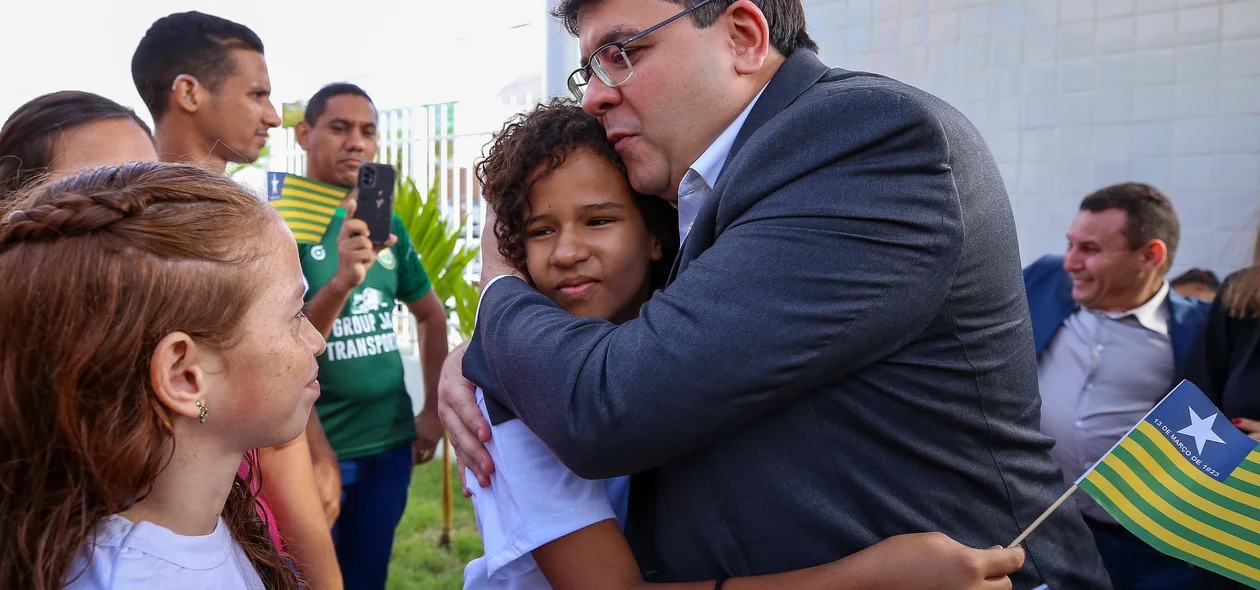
(204, 411)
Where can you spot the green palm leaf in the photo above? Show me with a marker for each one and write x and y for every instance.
(442, 250)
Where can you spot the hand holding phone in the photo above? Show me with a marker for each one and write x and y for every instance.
(356, 252)
(376, 200)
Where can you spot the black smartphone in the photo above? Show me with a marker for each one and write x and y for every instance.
(376, 200)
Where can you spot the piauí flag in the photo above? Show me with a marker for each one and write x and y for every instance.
(1187, 482)
(306, 206)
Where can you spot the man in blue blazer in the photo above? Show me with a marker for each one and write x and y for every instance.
(843, 353)
(1110, 338)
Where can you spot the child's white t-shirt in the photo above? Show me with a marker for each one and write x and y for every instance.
(144, 555)
(533, 499)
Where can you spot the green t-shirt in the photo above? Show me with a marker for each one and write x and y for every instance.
(363, 401)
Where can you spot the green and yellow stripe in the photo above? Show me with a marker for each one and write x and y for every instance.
(318, 189)
(307, 207)
(1150, 487)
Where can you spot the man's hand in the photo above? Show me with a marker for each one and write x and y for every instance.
(428, 435)
(1250, 427)
(355, 251)
(465, 426)
(328, 482)
(932, 561)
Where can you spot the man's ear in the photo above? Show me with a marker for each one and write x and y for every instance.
(1154, 255)
(187, 94)
(302, 132)
(178, 376)
(748, 35)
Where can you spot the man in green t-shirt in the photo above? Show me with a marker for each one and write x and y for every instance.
(353, 286)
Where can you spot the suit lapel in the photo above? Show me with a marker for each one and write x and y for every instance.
(1182, 330)
(798, 73)
(1050, 317)
(673, 270)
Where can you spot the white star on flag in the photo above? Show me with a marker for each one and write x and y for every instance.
(1201, 430)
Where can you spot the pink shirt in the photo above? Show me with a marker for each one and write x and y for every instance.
(263, 510)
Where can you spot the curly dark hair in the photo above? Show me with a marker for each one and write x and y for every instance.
(544, 137)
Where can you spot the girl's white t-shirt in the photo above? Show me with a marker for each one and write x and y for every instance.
(533, 499)
(126, 555)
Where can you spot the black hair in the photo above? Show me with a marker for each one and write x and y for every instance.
(1197, 276)
(318, 103)
(192, 43)
(1149, 214)
(786, 19)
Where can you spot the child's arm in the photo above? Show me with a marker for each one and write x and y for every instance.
(289, 489)
(538, 508)
(326, 468)
(598, 558)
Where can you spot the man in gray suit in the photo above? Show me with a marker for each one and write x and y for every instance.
(844, 352)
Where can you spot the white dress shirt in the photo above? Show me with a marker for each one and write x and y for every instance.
(697, 184)
(1100, 375)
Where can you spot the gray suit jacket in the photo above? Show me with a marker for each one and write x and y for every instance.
(844, 354)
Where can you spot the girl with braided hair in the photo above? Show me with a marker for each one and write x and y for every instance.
(152, 332)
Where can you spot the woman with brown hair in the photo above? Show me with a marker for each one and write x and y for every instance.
(68, 131)
(152, 332)
(1225, 364)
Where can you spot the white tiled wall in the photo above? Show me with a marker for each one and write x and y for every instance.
(1073, 95)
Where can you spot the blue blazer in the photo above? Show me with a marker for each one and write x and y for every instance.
(842, 355)
(1050, 303)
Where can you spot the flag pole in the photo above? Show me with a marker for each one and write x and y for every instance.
(1040, 519)
(1044, 515)
(448, 510)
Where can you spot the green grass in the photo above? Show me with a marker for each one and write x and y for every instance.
(418, 563)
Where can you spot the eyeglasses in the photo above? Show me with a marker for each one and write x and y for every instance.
(611, 62)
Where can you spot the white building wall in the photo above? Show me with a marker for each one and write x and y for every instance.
(1073, 95)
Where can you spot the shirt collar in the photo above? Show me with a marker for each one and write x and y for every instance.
(709, 165)
(189, 552)
(1153, 315)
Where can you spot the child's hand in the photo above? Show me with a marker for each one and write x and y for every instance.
(932, 561)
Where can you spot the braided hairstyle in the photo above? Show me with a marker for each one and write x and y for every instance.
(98, 268)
